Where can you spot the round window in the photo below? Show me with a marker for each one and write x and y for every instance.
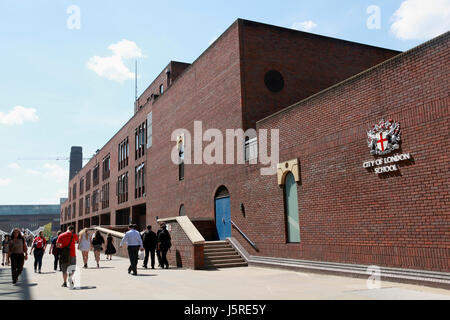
(274, 81)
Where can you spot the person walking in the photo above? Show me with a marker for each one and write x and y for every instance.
(110, 249)
(149, 241)
(18, 253)
(54, 250)
(66, 242)
(97, 243)
(5, 249)
(84, 246)
(158, 250)
(39, 246)
(134, 242)
(164, 244)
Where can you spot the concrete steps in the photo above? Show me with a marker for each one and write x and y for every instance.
(220, 254)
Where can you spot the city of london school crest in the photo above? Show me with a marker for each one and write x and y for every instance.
(384, 137)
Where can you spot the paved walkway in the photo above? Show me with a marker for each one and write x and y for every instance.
(112, 281)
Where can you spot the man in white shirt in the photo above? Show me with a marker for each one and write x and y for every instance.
(134, 242)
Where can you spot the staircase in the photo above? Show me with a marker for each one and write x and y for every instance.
(220, 254)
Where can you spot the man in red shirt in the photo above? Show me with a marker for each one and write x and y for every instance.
(66, 239)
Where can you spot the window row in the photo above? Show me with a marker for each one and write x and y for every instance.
(106, 167)
(139, 178)
(123, 154)
(122, 188)
(140, 135)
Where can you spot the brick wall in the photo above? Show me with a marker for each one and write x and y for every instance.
(347, 213)
(308, 63)
(183, 253)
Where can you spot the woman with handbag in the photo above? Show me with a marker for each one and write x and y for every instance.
(97, 242)
(17, 253)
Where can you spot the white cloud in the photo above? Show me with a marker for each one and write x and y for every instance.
(304, 25)
(13, 166)
(61, 193)
(126, 49)
(33, 172)
(421, 20)
(113, 67)
(18, 115)
(57, 172)
(5, 182)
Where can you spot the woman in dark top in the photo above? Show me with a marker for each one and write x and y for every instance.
(5, 249)
(17, 253)
(97, 243)
(110, 249)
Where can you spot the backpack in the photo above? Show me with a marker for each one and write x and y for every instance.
(65, 253)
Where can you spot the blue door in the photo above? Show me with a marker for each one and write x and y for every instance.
(223, 217)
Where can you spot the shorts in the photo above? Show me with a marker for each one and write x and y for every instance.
(73, 262)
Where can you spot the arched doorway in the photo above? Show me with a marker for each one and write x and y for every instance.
(222, 213)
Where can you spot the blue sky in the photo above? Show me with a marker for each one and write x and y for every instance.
(55, 94)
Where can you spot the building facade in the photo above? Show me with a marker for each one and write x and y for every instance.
(245, 80)
(29, 217)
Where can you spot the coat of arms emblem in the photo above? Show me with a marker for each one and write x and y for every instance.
(384, 137)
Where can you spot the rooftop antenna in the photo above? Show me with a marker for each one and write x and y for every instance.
(135, 81)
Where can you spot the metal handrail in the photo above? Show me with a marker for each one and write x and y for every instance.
(244, 235)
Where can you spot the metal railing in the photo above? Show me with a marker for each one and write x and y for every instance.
(244, 235)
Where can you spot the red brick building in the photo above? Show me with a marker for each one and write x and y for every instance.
(246, 79)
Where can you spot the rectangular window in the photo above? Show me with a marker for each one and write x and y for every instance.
(87, 204)
(251, 150)
(139, 188)
(81, 185)
(74, 191)
(95, 200)
(149, 130)
(95, 176)
(140, 136)
(80, 207)
(181, 171)
(106, 167)
(88, 180)
(123, 154)
(105, 196)
(122, 188)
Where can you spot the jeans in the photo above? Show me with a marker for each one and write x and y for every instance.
(158, 255)
(38, 254)
(133, 253)
(152, 256)
(55, 263)
(164, 261)
(17, 261)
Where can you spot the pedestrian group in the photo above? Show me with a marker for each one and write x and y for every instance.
(62, 247)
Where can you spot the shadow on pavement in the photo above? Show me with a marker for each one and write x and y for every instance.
(20, 291)
(48, 272)
(85, 288)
